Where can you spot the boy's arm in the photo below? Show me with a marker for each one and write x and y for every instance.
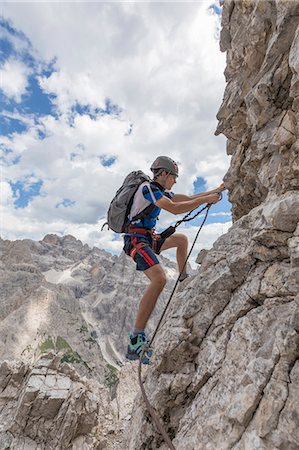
(186, 205)
(181, 197)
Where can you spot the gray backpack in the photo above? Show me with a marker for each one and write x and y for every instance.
(120, 206)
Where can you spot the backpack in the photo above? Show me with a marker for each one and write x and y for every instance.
(120, 206)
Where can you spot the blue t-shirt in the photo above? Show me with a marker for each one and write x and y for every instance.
(156, 193)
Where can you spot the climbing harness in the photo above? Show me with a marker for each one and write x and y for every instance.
(136, 248)
(146, 347)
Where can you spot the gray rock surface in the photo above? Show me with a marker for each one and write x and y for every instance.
(259, 113)
(226, 375)
(48, 405)
(225, 372)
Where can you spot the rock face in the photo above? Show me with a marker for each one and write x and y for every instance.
(259, 113)
(225, 372)
(47, 406)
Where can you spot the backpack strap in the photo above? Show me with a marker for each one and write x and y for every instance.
(103, 226)
(148, 209)
(151, 193)
(146, 212)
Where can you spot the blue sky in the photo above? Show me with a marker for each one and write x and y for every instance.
(23, 194)
(81, 110)
(220, 212)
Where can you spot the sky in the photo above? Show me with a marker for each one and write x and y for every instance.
(90, 92)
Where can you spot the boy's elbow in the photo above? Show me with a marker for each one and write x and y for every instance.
(175, 210)
(172, 211)
(170, 207)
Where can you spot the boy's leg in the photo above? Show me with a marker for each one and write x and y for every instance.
(180, 241)
(147, 304)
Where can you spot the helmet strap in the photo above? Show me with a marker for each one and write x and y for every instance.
(156, 175)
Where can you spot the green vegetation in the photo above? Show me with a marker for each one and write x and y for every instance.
(61, 345)
(47, 345)
(111, 376)
(71, 357)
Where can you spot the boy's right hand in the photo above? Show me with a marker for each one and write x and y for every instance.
(221, 188)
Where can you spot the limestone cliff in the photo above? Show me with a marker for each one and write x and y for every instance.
(259, 113)
(225, 371)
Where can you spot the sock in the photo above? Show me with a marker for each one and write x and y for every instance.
(137, 331)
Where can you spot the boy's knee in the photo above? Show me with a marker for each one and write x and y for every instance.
(182, 239)
(161, 280)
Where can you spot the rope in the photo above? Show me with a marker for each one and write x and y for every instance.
(186, 219)
(150, 409)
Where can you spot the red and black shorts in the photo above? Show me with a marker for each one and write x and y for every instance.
(143, 249)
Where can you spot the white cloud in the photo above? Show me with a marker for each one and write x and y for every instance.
(19, 42)
(6, 194)
(159, 62)
(14, 79)
(71, 88)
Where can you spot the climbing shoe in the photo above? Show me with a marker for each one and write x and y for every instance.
(183, 276)
(136, 344)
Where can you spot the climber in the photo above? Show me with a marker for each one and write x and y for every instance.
(142, 243)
